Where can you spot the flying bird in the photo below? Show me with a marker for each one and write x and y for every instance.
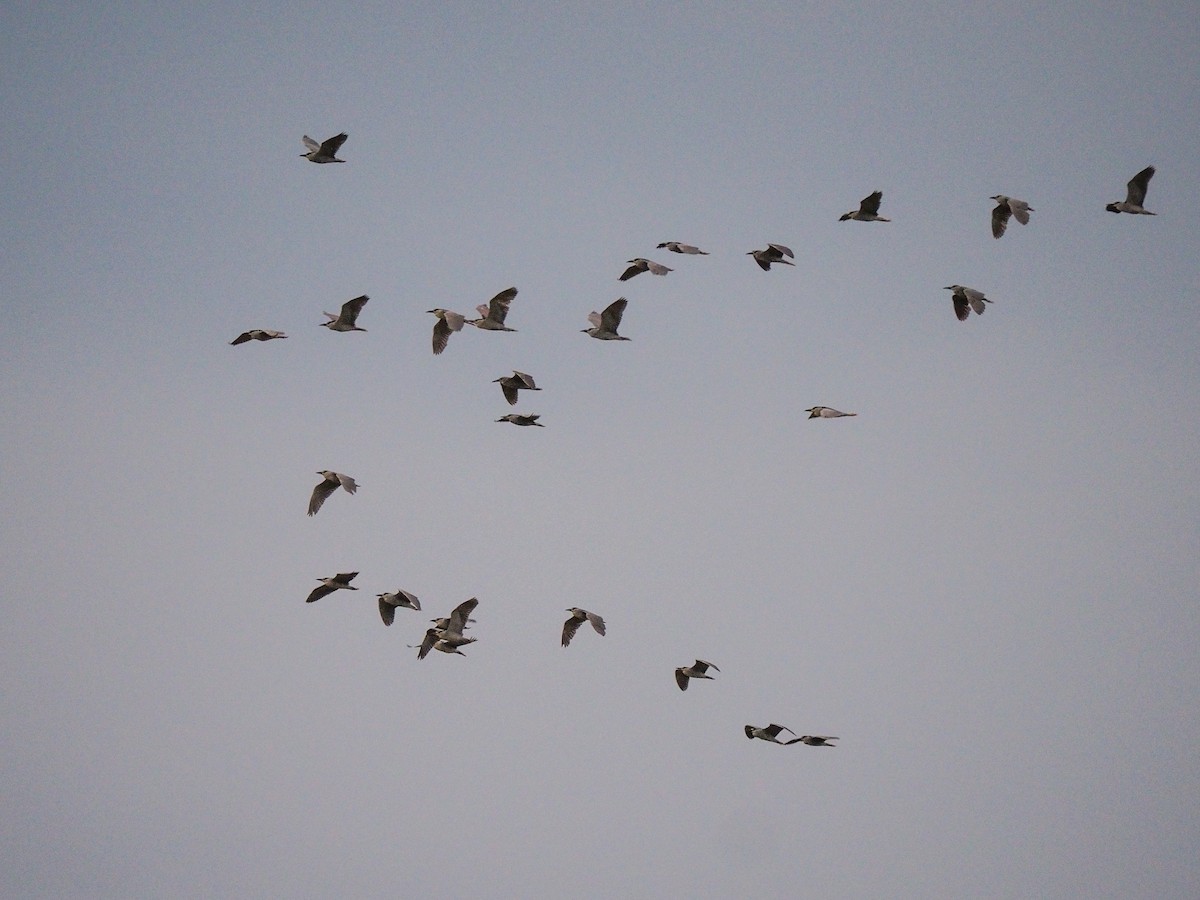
(826, 412)
(1135, 195)
(333, 480)
(1005, 207)
(816, 740)
(388, 604)
(774, 253)
(326, 151)
(257, 334)
(676, 247)
(966, 299)
(517, 381)
(345, 320)
(578, 617)
(695, 670)
(638, 265)
(447, 322)
(770, 733)
(492, 313)
(868, 210)
(519, 419)
(339, 582)
(604, 325)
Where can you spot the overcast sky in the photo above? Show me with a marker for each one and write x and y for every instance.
(986, 584)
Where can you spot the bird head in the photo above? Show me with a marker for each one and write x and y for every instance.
(1112, 207)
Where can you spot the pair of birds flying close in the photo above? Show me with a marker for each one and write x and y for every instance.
(771, 733)
(446, 634)
(491, 318)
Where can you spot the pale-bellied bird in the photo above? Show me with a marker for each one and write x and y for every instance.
(770, 733)
(447, 634)
(1005, 207)
(517, 381)
(695, 670)
(340, 582)
(447, 322)
(333, 480)
(826, 412)
(676, 247)
(868, 210)
(344, 321)
(388, 603)
(326, 151)
(519, 419)
(966, 299)
(492, 313)
(1135, 195)
(638, 265)
(605, 324)
(774, 253)
(257, 334)
(578, 617)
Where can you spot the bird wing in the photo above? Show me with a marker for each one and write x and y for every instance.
(657, 268)
(870, 204)
(597, 622)
(763, 263)
(346, 577)
(681, 679)
(510, 391)
(351, 309)
(453, 320)
(431, 638)
(1000, 218)
(611, 317)
(688, 248)
(527, 382)
(595, 319)
(569, 628)
(321, 590)
(782, 250)
(462, 612)
(497, 307)
(976, 299)
(1138, 186)
(347, 482)
(319, 495)
(412, 601)
(961, 308)
(241, 339)
(441, 335)
(774, 729)
(331, 146)
(634, 269)
(703, 666)
(310, 143)
(1020, 209)
(387, 611)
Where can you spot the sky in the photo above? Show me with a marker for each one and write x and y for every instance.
(985, 584)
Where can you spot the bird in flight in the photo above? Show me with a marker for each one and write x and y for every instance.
(257, 334)
(770, 733)
(774, 253)
(492, 313)
(826, 412)
(966, 299)
(578, 617)
(638, 265)
(447, 323)
(389, 603)
(339, 582)
(695, 670)
(1135, 195)
(1005, 207)
(344, 320)
(676, 247)
(326, 151)
(868, 210)
(605, 324)
(517, 381)
(519, 419)
(816, 740)
(332, 481)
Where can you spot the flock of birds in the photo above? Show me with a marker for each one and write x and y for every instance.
(448, 634)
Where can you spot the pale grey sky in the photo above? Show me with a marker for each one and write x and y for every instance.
(986, 583)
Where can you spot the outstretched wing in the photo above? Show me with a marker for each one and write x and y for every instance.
(310, 143)
(569, 628)
(320, 494)
(351, 309)
(331, 146)
(1138, 186)
(1000, 219)
(611, 317)
(870, 204)
(498, 305)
